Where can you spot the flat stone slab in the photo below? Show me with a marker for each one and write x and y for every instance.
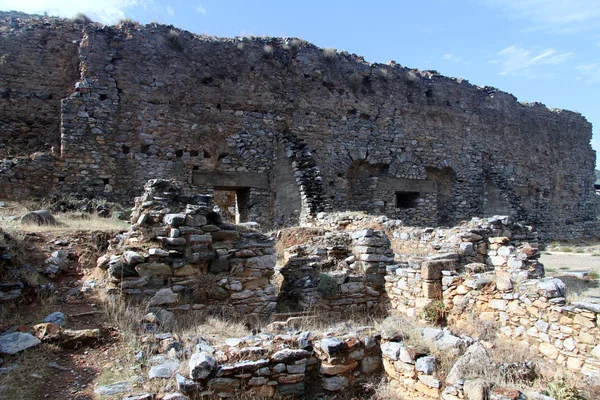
(15, 342)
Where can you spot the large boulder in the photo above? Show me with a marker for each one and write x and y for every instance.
(39, 217)
(474, 362)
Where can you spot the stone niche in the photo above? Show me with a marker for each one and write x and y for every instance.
(179, 254)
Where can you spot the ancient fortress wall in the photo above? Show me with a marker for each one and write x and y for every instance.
(290, 128)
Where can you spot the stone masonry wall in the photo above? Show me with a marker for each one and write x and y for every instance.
(153, 101)
(507, 288)
(179, 255)
(340, 272)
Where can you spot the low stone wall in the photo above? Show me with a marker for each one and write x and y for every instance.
(265, 365)
(508, 289)
(533, 312)
(178, 254)
(337, 272)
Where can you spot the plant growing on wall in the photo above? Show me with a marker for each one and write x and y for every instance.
(327, 285)
(175, 40)
(435, 312)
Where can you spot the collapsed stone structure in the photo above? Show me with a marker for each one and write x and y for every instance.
(179, 254)
(284, 128)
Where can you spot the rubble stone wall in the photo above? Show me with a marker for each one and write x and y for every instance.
(339, 272)
(287, 365)
(153, 101)
(508, 289)
(179, 255)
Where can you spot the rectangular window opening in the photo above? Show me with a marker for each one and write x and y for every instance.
(407, 199)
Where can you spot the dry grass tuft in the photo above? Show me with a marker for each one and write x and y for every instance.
(329, 53)
(211, 327)
(295, 236)
(31, 366)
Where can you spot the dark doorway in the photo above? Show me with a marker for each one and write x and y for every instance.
(407, 199)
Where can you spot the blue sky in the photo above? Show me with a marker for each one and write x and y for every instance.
(539, 50)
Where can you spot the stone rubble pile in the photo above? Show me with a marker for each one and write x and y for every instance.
(179, 254)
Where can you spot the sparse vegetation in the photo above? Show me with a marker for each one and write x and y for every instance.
(327, 285)
(355, 81)
(435, 312)
(329, 53)
(411, 76)
(175, 40)
(82, 19)
(268, 51)
(561, 390)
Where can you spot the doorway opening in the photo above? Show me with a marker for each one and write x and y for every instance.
(233, 202)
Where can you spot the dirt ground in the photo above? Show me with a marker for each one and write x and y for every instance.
(49, 371)
(579, 271)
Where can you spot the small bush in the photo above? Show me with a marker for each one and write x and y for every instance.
(355, 80)
(82, 19)
(567, 249)
(329, 53)
(294, 45)
(268, 51)
(327, 285)
(561, 390)
(435, 312)
(593, 275)
(175, 40)
(411, 76)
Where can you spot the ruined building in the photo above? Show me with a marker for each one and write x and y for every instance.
(278, 129)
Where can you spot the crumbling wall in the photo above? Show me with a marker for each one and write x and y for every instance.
(341, 272)
(179, 255)
(508, 289)
(152, 101)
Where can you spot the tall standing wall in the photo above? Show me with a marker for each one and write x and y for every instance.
(290, 128)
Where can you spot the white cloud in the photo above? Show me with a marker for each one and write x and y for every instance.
(200, 9)
(516, 60)
(589, 72)
(105, 11)
(451, 57)
(560, 16)
(170, 10)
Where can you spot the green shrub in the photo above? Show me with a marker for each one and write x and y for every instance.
(567, 249)
(327, 285)
(561, 390)
(593, 275)
(435, 312)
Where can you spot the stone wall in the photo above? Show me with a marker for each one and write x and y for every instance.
(507, 288)
(267, 364)
(179, 255)
(315, 131)
(341, 272)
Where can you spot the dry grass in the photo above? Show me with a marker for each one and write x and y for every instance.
(211, 327)
(409, 330)
(73, 222)
(329, 53)
(69, 221)
(32, 366)
(295, 236)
